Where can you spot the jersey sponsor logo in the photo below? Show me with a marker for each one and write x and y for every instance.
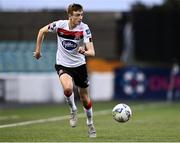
(69, 45)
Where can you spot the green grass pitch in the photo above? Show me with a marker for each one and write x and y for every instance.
(151, 122)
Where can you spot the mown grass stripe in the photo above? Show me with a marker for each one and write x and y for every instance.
(53, 119)
(9, 117)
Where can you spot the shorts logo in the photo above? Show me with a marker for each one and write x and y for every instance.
(61, 72)
(69, 45)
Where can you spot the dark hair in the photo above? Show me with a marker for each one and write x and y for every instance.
(74, 7)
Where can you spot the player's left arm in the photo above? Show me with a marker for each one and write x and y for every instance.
(89, 49)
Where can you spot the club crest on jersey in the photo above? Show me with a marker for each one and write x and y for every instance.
(77, 36)
(69, 45)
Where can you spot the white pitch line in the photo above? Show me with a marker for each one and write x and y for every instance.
(81, 115)
(9, 117)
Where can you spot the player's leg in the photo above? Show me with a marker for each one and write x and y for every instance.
(87, 104)
(67, 84)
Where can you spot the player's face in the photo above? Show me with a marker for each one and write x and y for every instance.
(77, 17)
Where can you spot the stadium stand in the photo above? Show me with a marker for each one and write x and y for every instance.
(17, 56)
(24, 26)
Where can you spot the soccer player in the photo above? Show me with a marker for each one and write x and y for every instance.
(74, 43)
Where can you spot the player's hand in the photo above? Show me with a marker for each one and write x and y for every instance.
(37, 55)
(81, 50)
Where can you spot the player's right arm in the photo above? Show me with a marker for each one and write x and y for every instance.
(37, 53)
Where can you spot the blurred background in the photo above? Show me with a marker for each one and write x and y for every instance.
(136, 41)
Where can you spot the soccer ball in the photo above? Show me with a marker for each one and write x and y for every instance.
(121, 112)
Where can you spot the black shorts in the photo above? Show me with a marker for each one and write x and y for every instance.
(79, 74)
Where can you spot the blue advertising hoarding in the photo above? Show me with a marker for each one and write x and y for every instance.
(145, 83)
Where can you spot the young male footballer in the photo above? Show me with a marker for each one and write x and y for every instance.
(74, 43)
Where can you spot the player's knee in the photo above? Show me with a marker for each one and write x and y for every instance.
(87, 105)
(68, 92)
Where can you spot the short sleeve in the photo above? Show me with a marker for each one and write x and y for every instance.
(87, 34)
(53, 27)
